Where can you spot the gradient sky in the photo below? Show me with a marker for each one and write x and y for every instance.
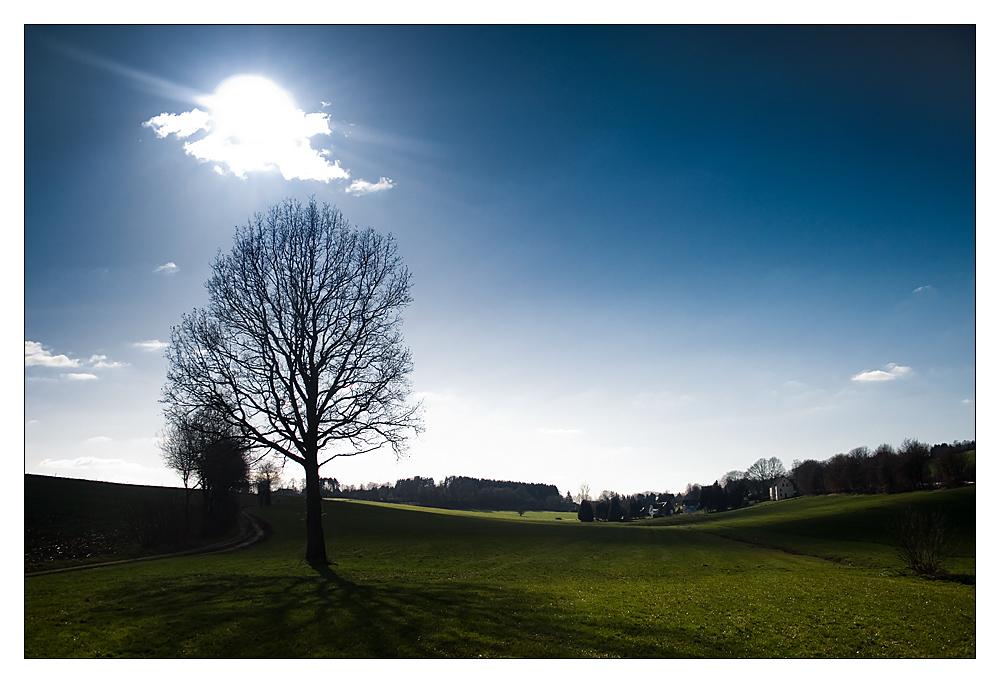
(642, 256)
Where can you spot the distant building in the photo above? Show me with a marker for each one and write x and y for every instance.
(691, 505)
(661, 510)
(782, 489)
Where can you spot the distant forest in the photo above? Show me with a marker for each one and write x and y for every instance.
(458, 493)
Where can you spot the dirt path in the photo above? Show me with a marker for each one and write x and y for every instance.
(251, 532)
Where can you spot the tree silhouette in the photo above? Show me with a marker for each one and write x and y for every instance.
(300, 345)
(615, 511)
(265, 475)
(763, 473)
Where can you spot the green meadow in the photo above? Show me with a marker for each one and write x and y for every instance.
(808, 577)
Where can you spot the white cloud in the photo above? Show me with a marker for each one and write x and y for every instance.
(182, 125)
(558, 432)
(359, 187)
(252, 125)
(924, 288)
(168, 268)
(99, 439)
(35, 354)
(82, 463)
(101, 362)
(151, 345)
(891, 372)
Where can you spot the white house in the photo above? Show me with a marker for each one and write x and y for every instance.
(782, 489)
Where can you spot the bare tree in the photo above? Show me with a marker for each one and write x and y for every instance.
(301, 342)
(914, 459)
(179, 454)
(203, 447)
(190, 441)
(762, 474)
(265, 474)
(731, 476)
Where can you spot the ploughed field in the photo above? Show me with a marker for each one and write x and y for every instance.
(810, 577)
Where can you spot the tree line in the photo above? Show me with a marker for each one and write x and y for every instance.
(458, 493)
(913, 466)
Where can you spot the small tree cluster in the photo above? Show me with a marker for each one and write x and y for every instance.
(207, 452)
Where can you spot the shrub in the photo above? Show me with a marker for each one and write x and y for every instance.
(922, 542)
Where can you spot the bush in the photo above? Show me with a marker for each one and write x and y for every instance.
(586, 512)
(922, 542)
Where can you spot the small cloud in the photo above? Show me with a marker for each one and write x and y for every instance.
(182, 125)
(967, 400)
(82, 463)
(151, 345)
(324, 105)
(101, 362)
(79, 376)
(891, 372)
(168, 268)
(99, 439)
(924, 288)
(360, 187)
(35, 354)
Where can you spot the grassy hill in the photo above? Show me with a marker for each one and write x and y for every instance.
(415, 582)
(845, 528)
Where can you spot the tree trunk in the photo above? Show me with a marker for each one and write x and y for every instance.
(315, 541)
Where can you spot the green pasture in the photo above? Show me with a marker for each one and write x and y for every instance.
(850, 529)
(415, 582)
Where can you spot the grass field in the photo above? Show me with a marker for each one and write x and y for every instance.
(413, 582)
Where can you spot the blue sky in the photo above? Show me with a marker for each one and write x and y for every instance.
(642, 256)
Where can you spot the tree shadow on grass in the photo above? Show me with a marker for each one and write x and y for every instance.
(325, 615)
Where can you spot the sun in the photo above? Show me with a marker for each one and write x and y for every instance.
(253, 109)
(251, 124)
